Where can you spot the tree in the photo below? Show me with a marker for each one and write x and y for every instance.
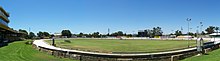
(43, 34)
(203, 33)
(66, 33)
(96, 34)
(145, 33)
(157, 31)
(40, 34)
(129, 35)
(31, 35)
(151, 33)
(80, 34)
(210, 30)
(196, 34)
(89, 35)
(119, 33)
(25, 33)
(216, 29)
(178, 33)
(46, 34)
(190, 33)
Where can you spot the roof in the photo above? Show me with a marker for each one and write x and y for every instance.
(7, 14)
(57, 34)
(7, 28)
(4, 15)
(4, 18)
(214, 34)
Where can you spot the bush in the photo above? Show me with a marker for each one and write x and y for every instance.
(68, 41)
(29, 42)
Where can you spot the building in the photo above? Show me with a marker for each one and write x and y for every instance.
(215, 37)
(7, 34)
(141, 33)
(57, 35)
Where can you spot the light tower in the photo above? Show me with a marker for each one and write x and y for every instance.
(108, 32)
(201, 28)
(188, 19)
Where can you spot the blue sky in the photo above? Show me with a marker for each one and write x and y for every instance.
(88, 16)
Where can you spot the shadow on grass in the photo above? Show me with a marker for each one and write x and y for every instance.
(206, 54)
(2, 44)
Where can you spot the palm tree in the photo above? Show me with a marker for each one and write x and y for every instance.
(217, 28)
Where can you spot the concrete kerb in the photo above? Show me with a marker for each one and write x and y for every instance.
(167, 56)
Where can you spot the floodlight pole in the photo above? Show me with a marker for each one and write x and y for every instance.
(172, 31)
(188, 19)
(201, 28)
(197, 32)
(108, 31)
(133, 34)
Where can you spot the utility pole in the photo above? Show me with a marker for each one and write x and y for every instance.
(108, 31)
(172, 32)
(197, 31)
(216, 30)
(29, 30)
(188, 19)
(181, 29)
(133, 33)
(200, 41)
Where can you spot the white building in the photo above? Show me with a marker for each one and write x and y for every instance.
(215, 37)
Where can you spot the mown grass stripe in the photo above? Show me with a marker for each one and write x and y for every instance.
(19, 51)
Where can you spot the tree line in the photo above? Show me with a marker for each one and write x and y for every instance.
(155, 31)
(209, 30)
(68, 34)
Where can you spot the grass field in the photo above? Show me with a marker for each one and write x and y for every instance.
(19, 51)
(211, 56)
(109, 46)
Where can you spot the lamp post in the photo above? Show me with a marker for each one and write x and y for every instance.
(181, 29)
(201, 28)
(172, 32)
(188, 19)
(197, 32)
(217, 28)
(133, 34)
(108, 32)
(200, 40)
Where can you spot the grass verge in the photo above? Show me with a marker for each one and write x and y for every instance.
(19, 51)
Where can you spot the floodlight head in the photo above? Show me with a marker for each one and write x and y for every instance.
(200, 22)
(188, 19)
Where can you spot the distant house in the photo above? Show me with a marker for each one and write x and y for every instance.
(215, 37)
(141, 33)
(57, 35)
(168, 36)
(184, 36)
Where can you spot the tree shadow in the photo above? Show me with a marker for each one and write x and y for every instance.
(3, 44)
